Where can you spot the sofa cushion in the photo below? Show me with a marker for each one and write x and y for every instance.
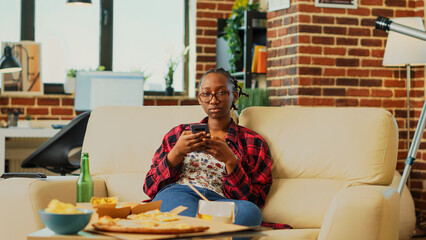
(349, 144)
(301, 203)
(407, 213)
(124, 139)
(362, 205)
(127, 186)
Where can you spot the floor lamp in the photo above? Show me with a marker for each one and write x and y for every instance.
(405, 51)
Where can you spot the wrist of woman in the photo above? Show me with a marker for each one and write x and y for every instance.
(173, 159)
(230, 165)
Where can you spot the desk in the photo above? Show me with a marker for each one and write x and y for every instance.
(21, 132)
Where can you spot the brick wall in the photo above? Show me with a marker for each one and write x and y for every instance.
(61, 107)
(208, 12)
(333, 57)
(46, 107)
(169, 101)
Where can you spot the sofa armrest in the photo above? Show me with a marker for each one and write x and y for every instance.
(21, 198)
(362, 212)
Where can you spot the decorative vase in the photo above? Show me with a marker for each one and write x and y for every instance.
(169, 91)
(12, 120)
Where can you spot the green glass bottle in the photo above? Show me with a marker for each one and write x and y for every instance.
(84, 182)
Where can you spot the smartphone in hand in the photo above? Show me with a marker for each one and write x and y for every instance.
(200, 127)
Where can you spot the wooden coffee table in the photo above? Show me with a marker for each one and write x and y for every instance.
(216, 228)
(47, 234)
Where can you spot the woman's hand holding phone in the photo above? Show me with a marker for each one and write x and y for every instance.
(216, 147)
(187, 142)
(220, 150)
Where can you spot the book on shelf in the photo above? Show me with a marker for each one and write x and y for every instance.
(261, 63)
(255, 60)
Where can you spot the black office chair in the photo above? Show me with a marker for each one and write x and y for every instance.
(61, 153)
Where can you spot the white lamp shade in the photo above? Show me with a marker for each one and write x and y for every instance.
(401, 49)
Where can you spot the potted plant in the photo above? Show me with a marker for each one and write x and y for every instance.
(100, 68)
(71, 73)
(69, 85)
(234, 23)
(146, 75)
(257, 97)
(172, 65)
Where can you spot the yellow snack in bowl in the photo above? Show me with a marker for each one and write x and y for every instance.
(56, 206)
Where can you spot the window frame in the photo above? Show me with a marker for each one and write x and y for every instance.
(27, 20)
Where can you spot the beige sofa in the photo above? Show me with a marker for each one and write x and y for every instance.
(332, 168)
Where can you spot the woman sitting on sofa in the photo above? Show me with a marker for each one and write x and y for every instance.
(231, 163)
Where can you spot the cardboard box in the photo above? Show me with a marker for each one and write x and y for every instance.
(216, 211)
(121, 210)
(104, 202)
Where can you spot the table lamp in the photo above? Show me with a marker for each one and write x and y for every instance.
(405, 51)
(10, 64)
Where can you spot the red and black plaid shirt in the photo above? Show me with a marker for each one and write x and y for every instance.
(250, 180)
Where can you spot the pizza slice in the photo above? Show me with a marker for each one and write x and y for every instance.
(155, 215)
(149, 222)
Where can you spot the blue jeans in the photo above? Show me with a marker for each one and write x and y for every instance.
(174, 195)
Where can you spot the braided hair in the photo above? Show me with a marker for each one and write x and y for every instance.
(232, 83)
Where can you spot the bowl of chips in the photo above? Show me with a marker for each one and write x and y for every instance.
(65, 218)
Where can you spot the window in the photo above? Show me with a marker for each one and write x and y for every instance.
(146, 35)
(69, 38)
(10, 21)
(10, 25)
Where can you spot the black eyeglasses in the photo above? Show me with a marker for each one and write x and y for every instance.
(206, 97)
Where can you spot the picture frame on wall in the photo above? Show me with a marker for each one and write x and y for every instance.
(274, 5)
(350, 4)
(28, 81)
